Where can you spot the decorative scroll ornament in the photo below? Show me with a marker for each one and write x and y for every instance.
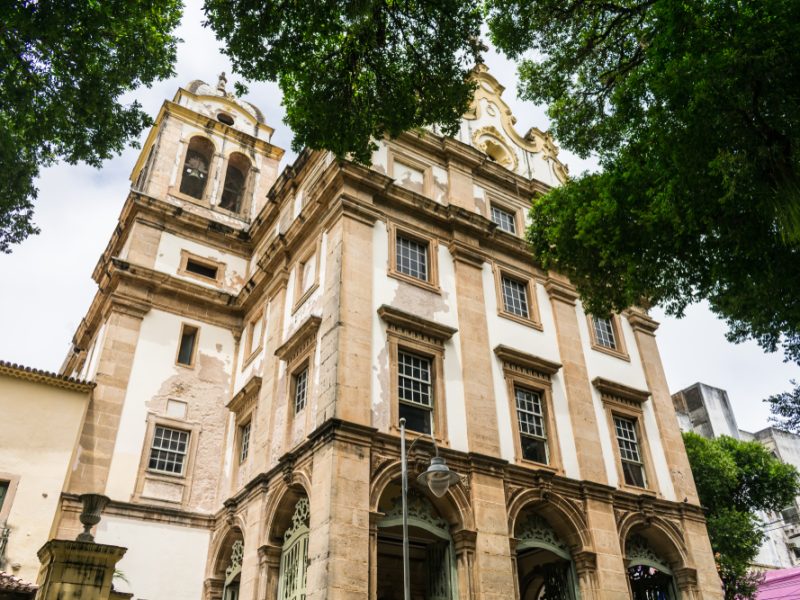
(639, 552)
(535, 529)
(419, 507)
(236, 559)
(299, 518)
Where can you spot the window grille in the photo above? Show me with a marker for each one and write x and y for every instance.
(530, 417)
(515, 297)
(300, 390)
(412, 258)
(504, 219)
(168, 451)
(604, 333)
(414, 387)
(294, 555)
(628, 442)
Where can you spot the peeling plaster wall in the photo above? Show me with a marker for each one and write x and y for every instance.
(543, 344)
(162, 562)
(168, 260)
(630, 373)
(40, 429)
(439, 308)
(155, 378)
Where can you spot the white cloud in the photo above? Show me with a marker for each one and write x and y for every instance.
(47, 284)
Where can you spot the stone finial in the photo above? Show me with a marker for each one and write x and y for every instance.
(93, 505)
(222, 81)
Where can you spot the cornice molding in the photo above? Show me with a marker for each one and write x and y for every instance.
(400, 318)
(245, 396)
(618, 390)
(561, 290)
(642, 322)
(304, 334)
(162, 514)
(525, 360)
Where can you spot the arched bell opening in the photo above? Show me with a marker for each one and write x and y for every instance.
(545, 568)
(432, 562)
(650, 576)
(196, 167)
(233, 190)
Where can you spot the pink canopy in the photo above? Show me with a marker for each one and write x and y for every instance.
(782, 583)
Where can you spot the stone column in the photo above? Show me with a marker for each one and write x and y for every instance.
(83, 570)
(576, 382)
(586, 570)
(374, 517)
(464, 543)
(686, 580)
(512, 542)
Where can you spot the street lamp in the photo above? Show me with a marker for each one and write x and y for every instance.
(437, 478)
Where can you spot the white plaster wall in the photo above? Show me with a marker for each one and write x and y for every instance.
(245, 372)
(39, 430)
(631, 374)
(153, 365)
(442, 309)
(543, 344)
(209, 106)
(163, 562)
(168, 260)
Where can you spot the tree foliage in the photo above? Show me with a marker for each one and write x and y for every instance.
(353, 71)
(734, 480)
(693, 109)
(785, 408)
(63, 66)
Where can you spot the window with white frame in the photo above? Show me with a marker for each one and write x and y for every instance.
(168, 450)
(244, 441)
(504, 219)
(412, 257)
(515, 297)
(629, 451)
(604, 332)
(415, 391)
(531, 420)
(300, 389)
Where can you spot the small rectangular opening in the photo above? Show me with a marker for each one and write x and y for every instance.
(188, 341)
(202, 269)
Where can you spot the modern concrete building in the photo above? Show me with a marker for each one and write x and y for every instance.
(706, 411)
(256, 337)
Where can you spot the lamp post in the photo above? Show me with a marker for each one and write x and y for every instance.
(437, 478)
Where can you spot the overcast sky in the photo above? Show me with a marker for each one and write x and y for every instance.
(47, 285)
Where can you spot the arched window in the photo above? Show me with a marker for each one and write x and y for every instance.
(233, 573)
(544, 562)
(235, 180)
(196, 167)
(294, 555)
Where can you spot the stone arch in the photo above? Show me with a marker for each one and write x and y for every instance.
(568, 522)
(454, 507)
(662, 536)
(236, 183)
(225, 548)
(280, 507)
(196, 168)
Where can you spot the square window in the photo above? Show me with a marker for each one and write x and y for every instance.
(244, 441)
(604, 333)
(168, 450)
(187, 345)
(300, 389)
(629, 452)
(515, 297)
(412, 258)
(504, 219)
(415, 391)
(531, 422)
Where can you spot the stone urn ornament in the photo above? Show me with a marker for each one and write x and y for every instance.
(93, 505)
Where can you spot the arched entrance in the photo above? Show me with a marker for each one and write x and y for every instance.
(230, 590)
(431, 552)
(294, 555)
(649, 575)
(545, 569)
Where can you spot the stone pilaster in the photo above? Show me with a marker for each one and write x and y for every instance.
(476, 361)
(576, 382)
(611, 577)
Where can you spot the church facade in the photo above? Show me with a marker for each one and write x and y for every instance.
(257, 336)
